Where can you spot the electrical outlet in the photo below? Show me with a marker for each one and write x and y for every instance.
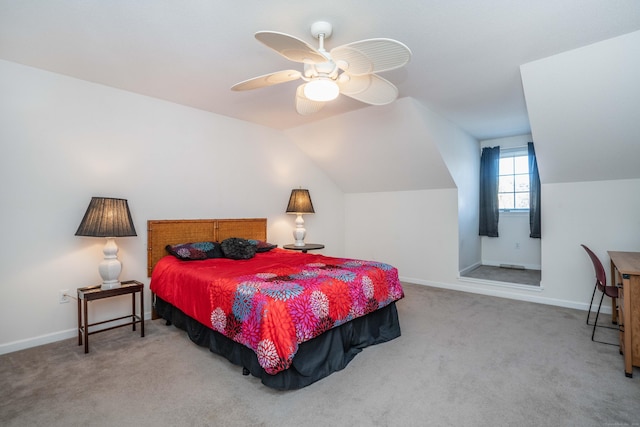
(63, 296)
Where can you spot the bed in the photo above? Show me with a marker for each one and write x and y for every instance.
(286, 317)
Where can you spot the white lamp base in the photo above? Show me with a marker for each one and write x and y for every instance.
(299, 233)
(110, 267)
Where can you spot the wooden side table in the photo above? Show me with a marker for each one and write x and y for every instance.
(305, 248)
(92, 293)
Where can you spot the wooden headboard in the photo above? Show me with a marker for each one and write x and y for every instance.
(161, 233)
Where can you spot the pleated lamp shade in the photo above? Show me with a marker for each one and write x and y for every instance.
(107, 217)
(300, 203)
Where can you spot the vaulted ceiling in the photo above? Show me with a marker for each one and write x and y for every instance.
(470, 61)
(465, 64)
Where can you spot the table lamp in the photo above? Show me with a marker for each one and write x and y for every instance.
(109, 218)
(299, 204)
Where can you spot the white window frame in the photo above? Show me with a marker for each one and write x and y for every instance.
(513, 152)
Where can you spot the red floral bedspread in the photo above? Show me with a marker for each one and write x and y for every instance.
(276, 300)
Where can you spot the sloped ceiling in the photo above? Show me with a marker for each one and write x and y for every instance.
(465, 67)
(584, 107)
(466, 53)
(376, 149)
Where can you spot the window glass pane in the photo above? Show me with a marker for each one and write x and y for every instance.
(521, 182)
(522, 201)
(505, 184)
(506, 165)
(521, 164)
(505, 201)
(513, 180)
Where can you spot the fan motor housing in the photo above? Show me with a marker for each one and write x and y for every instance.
(321, 27)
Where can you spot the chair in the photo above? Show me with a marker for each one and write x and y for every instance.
(601, 285)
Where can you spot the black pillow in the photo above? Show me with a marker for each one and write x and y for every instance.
(262, 246)
(195, 251)
(237, 248)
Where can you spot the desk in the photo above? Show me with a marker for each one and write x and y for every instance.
(625, 270)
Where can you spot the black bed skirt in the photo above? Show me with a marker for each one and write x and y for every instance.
(315, 359)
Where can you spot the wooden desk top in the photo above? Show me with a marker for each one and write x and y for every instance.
(626, 262)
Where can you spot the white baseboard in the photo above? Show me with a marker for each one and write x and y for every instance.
(45, 339)
(506, 290)
(36, 341)
(470, 268)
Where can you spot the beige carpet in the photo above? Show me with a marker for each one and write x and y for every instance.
(463, 360)
(509, 275)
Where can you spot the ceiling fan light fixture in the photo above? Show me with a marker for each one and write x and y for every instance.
(349, 70)
(321, 89)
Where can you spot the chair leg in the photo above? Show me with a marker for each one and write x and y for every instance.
(597, 314)
(595, 325)
(591, 303)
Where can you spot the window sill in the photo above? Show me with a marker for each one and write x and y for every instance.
(514, 212)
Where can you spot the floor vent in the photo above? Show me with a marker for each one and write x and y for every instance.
(513, 266)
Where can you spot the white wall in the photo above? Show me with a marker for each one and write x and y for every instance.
(418, 232)
(462, 157)
(64, 140)
(427, 234)
(402, 148)
(415, 231)
(604, 215)
(513, 246)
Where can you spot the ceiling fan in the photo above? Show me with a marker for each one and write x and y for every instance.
(348, 69)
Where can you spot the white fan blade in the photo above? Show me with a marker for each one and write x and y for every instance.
(371, 56)
(369, 88)
(304, 105)
(267, 80)
(290, 47)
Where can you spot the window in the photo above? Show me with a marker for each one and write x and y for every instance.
(513, 180)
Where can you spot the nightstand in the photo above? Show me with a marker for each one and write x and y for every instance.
(305, 248)
(92, 293)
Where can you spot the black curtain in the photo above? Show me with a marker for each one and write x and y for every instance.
(534, 194)
(489, 168)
